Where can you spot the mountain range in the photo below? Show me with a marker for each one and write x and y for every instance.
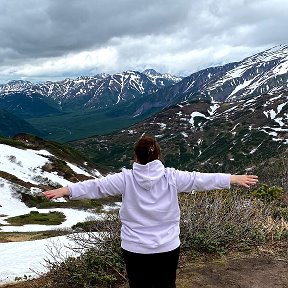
(226, 117)
(261, 73)
(59, 110)
(27, 99)
(70, 109)
(265, 72)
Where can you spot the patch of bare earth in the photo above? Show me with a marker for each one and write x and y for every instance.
(264, 268)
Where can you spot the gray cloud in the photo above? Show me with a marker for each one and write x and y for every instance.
(46, 28)
(44, 37)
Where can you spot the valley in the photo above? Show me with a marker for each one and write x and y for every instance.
(81, 124)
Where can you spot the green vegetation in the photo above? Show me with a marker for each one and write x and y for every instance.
(269, 194)
(81, 124)
(219, 221)
(100, 266)
(42, 202)
(211, 222)
(34, 217)
(13, 142)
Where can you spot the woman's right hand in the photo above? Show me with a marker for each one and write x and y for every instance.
(244, 180)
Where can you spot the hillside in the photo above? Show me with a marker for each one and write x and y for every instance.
(30, 165)
(11, 125)
(210, 136)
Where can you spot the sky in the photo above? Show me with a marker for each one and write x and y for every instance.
(55, 39)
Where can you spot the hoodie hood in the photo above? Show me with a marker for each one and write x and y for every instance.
(148, 175)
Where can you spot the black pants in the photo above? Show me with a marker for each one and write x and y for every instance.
(151, 270)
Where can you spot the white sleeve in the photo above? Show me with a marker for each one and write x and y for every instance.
(110, 185)
(188, 181)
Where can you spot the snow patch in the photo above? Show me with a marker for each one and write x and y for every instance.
(196, 114)
(240, 87)
(213, 108)
(162, 125)
(185, 135)
(282, 68)
(77, 169)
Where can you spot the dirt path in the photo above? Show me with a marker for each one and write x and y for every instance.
(263, 268)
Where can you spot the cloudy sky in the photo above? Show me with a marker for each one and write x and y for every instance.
(53, 39)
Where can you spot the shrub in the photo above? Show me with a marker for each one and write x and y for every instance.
(218, 221)
(281, 212)
(34, 217)
(269, 194)
(100, 263)
(210, 222)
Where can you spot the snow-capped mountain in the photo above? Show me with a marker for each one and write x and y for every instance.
(208, 136)
(262, 73)
(100, 91)
(265, 72)
(161, 79)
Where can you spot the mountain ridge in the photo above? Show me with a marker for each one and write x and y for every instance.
(88, 92)
(74, 108)
(261, 73)
(12, 125)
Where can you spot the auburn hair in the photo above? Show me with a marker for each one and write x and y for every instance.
(147, 149)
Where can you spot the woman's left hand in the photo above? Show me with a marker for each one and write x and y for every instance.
(56, 193)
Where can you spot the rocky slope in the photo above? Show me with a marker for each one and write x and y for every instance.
(265, 72)
(210, 136)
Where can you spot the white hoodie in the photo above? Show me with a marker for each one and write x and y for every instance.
(150, 212)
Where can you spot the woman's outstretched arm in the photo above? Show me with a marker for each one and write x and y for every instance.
(189, 181)
(109, 185)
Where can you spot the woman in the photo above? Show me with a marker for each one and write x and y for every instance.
(150, 212)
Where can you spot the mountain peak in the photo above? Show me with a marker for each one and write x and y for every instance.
(274, 53)
(151, 72)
